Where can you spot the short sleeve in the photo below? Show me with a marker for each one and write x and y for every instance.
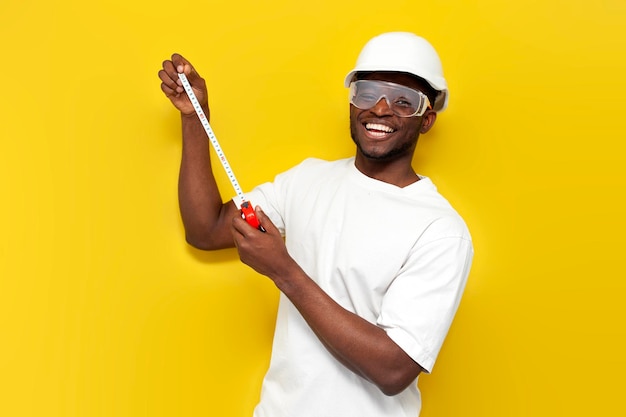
(420, 304)
(273, 197)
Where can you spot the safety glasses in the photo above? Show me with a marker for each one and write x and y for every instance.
(403, 101)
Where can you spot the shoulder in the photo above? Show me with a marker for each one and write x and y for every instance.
(443, 219)
(450, 225)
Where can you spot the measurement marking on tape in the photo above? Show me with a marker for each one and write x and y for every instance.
(211, 135)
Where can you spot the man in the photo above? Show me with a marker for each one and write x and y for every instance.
(373, 261)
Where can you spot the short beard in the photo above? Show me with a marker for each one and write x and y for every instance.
(392, 154)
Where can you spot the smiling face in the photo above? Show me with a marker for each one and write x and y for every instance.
(378, 133)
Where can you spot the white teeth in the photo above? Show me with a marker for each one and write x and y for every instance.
(379, 127)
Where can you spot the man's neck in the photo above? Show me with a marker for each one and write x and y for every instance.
(397, 172)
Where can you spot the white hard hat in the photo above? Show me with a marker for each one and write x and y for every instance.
(404, 52)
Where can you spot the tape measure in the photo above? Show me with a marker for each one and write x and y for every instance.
(247, 211)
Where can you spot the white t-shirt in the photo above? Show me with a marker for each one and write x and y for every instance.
(397, 257)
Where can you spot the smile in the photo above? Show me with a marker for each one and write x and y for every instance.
(377, 129)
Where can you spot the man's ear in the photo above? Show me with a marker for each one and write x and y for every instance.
(428, 120)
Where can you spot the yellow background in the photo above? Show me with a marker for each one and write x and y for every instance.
(105, 311)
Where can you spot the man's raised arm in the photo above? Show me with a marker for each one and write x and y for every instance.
(206, 218)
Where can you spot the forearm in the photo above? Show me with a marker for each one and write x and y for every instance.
(358, 344)
(201, 207)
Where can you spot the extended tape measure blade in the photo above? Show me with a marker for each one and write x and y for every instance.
(247, 211)
(212, 138)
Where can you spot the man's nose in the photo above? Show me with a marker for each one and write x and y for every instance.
(382, 107)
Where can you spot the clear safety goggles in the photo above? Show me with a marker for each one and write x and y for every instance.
(403, 101)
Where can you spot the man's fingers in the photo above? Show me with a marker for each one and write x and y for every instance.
(167, 90)
(244, 229)
(265, 221)
(167, 80)
(179, 61)
(170, 84)
(241, 227)
(183, 66)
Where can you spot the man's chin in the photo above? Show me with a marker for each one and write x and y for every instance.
(376, 157)
(382, 155)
